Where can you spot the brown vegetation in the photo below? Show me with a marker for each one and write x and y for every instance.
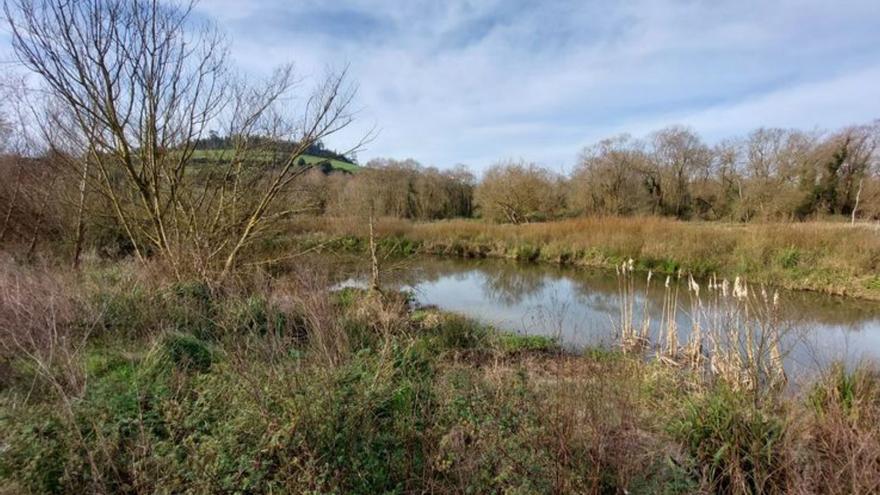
(146, 384)
(132, 87)
(829, 257)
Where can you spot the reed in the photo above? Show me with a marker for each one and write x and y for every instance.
(736, 335)
(633, 339)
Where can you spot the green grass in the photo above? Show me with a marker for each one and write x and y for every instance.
(309, 159)
(412, 401)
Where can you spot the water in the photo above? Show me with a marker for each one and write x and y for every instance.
(581, 307)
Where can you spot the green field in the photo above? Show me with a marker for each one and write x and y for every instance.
(266, 155)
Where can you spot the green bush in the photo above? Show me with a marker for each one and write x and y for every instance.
(526, 252)
(789, 258)
(189, 306)
(127, 312)
(254, 314)
(459, 333)
(736, 446)
(182, 351)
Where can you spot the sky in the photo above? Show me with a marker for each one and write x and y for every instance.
(479, 81)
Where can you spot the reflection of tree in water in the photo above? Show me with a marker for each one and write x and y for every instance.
(596, 290)
(429, 270)
(510, 285)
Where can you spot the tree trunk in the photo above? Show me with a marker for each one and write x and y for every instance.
(80, 223)
(856, 205)
(374, 258)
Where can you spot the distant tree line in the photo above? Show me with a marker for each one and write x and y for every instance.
(769, 174)
(402, 189)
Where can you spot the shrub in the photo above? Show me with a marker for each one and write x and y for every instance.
(181, 351)
(459, 333)
(736, 447)
(842, 448)
(789, 258)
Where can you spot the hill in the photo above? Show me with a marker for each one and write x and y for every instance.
(328, 164)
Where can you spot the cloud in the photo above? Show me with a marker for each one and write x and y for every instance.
(476, 81)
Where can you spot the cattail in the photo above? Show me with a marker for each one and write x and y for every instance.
(740, 291)
(693, 286)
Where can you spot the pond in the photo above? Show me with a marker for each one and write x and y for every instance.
(581, 307)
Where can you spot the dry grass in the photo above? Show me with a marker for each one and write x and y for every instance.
(274, 385)
(38, 310)
(838, 435)
(835, 258)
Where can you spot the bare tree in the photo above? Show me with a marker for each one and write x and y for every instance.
(677, 156)
(607, 180)
(518, 192)
(138, 83)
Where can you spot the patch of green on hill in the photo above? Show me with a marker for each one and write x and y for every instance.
(334, 164)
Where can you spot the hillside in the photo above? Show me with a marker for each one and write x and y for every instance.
(334, 164)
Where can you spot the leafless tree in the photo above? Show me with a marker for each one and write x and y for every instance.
(136, 85)
(607, 180)
(677, 155)
(518, 192)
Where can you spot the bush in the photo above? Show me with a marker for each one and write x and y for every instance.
(736, 447)
(181, 351)
(843, 442)
(458, 333)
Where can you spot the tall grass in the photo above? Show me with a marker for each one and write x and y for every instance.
(734, 329)
(835, 258)
(273, 384)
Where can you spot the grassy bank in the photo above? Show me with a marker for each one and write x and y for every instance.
(121, 381)
(834, 258)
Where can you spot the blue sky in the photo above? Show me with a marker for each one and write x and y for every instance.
(473, 82)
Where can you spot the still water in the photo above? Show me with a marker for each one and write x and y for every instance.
(581, 307)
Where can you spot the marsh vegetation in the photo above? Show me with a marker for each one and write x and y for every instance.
(171, 319)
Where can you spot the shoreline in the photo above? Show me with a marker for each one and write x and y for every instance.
(824, 258)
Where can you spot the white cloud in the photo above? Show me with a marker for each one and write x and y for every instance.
(469, 81)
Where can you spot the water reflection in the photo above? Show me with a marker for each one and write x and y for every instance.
(579, 306)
